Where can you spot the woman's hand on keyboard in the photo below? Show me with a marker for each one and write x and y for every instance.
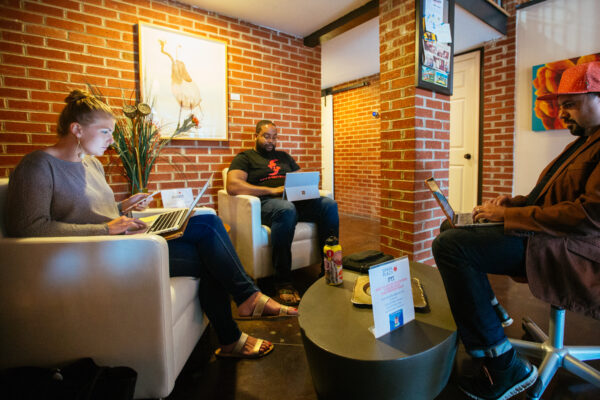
(126, 225)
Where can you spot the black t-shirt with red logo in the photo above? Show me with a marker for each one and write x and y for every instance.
(265, 168)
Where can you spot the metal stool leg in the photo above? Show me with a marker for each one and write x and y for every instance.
(554, 355)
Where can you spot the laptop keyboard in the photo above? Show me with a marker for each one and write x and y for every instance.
(167, 221)
(464, 219)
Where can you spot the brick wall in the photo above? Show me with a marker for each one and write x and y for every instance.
(415, 127)
(357, 143)
(50, 47)
(499, 59)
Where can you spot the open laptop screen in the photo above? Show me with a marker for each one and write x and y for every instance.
(441, 199)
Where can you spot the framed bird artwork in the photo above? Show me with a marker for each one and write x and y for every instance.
(183, 74)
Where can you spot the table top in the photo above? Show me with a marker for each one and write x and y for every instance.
(329, 319)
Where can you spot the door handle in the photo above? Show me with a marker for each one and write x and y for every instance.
(467, 156)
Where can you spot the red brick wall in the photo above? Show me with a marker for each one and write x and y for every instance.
(415, 126)
(499, 110)
(50, 47)
(357, 143)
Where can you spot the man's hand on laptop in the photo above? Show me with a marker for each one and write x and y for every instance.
(488, 211)
(502, 200)
(276, 191)
(509, 201)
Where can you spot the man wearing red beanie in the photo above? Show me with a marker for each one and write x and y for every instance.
(551, 236)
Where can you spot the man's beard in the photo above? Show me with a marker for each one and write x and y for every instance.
(263, 149)
(576, 129)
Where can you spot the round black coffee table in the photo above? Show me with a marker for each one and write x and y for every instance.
(347, 362)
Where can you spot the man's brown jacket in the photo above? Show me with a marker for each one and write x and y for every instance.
(563, 253)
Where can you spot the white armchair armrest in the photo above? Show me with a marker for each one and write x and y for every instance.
(250, 238)
(106, 297)
(242, 214)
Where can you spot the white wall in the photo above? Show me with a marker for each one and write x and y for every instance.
(352, 55)
(549, 31)
(327, 167)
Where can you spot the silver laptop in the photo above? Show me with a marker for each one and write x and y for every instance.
(301, 186)
(172, 221)
(456, 220)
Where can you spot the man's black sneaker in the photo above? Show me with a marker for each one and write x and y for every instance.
(494, 384)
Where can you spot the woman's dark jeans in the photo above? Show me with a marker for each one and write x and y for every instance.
(205, 251)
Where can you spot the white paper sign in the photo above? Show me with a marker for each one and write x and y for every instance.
(434, 15)
(391, 294)
(444, 35)
(177, 198)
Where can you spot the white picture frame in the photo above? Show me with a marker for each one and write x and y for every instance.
(183, 74)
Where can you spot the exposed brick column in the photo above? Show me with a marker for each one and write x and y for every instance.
(415, 129)
(499, 110)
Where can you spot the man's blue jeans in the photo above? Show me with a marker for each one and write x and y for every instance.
(205, 251)
(464, 257)
(282, 216)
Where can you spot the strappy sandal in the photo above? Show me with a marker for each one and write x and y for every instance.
(260, 306)
(237, 349)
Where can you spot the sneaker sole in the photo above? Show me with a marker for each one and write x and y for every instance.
(507, 322)
(516, 389)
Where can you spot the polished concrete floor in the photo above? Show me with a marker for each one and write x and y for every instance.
(284, 373)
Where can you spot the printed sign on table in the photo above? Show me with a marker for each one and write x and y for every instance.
(391, 294)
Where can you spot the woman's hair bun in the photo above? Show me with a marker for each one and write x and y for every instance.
(76, 95)
(81, 106)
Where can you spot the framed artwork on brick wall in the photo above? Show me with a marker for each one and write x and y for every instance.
(546, 77)
(182, 73)
(434, 45)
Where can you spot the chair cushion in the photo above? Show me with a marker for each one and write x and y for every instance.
(184, 289)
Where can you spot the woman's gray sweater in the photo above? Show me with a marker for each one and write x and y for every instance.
(52, 197)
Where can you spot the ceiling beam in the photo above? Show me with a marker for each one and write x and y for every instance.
(352, 19)
(488, 12)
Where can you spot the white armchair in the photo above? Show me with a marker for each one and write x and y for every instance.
(105, 297)
(252, 240)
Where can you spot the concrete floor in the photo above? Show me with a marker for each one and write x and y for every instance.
(284, 374)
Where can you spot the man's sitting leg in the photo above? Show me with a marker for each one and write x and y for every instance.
(281, 216)
(324, 212)
(464, 257)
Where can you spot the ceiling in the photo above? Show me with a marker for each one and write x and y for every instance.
(351, 55)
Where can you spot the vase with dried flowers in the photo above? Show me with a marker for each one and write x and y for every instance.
(138, 142)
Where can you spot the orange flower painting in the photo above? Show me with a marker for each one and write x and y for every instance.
(546, 78)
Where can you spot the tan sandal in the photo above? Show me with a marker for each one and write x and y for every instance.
(260, 306)
(237, 349)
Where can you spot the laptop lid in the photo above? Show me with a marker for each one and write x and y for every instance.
(441, 199)
(181, 222)
(459, 220)
(301, 186)
(197, 198)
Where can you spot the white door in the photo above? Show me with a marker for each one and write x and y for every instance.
(327, 143)
(464, 133)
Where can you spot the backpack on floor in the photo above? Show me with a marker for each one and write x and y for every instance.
(81, 380)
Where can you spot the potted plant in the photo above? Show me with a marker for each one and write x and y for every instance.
(138, 142)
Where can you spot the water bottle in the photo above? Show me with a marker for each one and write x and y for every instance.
(332, 260)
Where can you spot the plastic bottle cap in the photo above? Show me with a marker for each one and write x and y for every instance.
(331, 241)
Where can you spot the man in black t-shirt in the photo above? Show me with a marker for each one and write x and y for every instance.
(261, 172)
